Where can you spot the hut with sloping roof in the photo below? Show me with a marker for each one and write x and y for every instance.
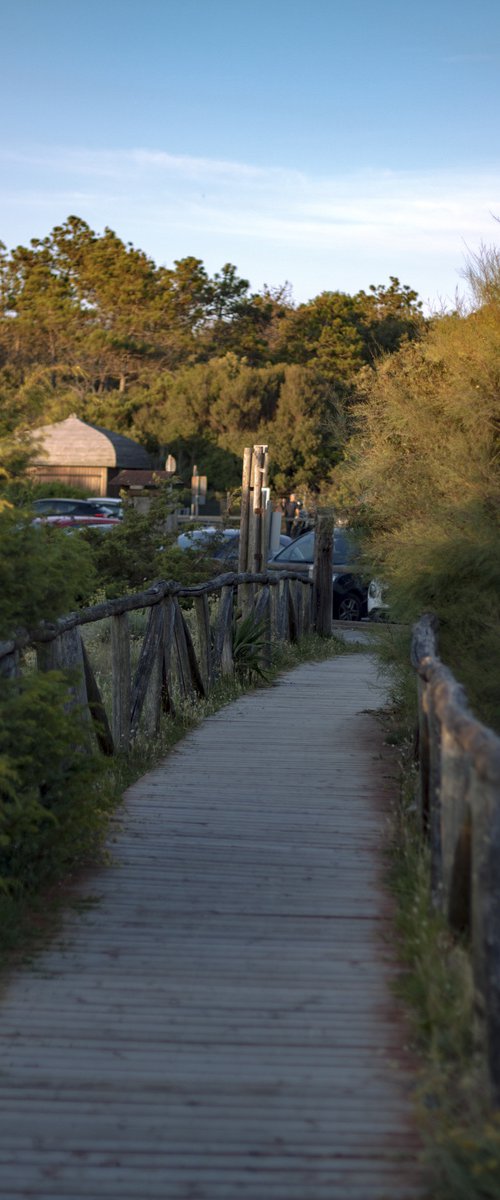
(85, 456)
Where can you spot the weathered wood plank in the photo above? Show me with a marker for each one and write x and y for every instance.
(65, 653)
(196, 676)
(184, 678)
(259, 465)
(243, 556)
(202, 613)
(322, 576)
(121, 681)
(168, 703)
(224, 631)
(149, 659)
(97, 709)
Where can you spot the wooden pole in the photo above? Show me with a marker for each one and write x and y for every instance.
(259, 460)
(322, 576)
(121, 681)
(245, 509)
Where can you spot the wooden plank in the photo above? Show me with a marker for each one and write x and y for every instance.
(121, 681)
(259, 461)
(97, 709)
(293, 632)
(243, 556)
(196, 676)
(283, 611)
(297, 595)
(184, 679)
(274, 598)
(168, 703)
(322, 576)
(150, 657)
(263, 613)
(202, 614)
(246, 597)
(224, 632)
(65, 653)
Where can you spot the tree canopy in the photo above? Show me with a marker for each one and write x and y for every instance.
(185, 361)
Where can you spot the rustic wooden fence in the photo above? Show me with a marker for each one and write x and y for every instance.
(182, 654)
(460, 814)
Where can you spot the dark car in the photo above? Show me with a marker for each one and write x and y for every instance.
(228, 552)
(349, 591)
(56, 506)
(222, 545)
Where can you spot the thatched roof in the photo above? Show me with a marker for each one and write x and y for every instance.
(74, 443)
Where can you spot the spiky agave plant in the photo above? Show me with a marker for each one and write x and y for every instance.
(249, 644)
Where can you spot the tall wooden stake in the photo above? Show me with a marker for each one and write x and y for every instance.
(245, 509)
(322, 576)
(259, 467)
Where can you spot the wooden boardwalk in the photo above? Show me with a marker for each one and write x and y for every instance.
(221, 1026)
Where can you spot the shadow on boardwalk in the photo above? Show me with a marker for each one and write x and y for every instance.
(221, 1026)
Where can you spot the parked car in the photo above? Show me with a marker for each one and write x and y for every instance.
(71, 523)
(223, 545)
(349, 590)
(57, 506)
(112, 505)
(377, 607)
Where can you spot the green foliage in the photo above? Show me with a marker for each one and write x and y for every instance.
(139, 551)
(427, 466)
(307, 432)
(43, 572)
(52, 812)
(249, 643)
(185, 362)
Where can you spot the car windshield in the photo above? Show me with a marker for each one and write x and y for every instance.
(302, 549)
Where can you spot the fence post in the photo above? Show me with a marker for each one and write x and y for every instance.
(121, 681)
(274, 600)
(64, 653)
(203, 626)
(245, 511)
(259, 466)
(322, 576)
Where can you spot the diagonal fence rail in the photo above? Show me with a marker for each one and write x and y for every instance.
(460, 815)
(188, 645)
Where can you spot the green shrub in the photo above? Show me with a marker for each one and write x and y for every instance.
(52, 811)
(426, 463)
(43, 572)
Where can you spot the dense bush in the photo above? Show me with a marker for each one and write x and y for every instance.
(43, 572)
(51, 808)
(427, 466)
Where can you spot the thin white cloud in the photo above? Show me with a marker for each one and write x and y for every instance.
(361, 225)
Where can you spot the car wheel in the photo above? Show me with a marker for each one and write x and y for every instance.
(349, 608)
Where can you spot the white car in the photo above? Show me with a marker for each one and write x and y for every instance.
(376, 606)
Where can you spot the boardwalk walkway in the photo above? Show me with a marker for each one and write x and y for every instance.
(220, 1026)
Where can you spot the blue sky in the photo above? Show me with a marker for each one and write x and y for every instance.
(329, 144)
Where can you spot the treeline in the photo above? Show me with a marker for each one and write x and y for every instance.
(184, 362)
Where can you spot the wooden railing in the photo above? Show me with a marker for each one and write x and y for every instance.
(182, 653)
(460, 813)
